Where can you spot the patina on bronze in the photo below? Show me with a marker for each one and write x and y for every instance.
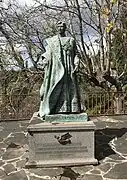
(59, 92)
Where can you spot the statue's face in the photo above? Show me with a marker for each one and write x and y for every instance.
(61, 29)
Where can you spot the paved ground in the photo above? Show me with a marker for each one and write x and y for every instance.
(111, 151)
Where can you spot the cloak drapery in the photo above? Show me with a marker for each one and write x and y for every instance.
(59, 92)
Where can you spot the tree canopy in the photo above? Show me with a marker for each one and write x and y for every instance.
(99, 27)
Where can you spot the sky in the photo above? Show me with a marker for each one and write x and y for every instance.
(22, 2)
(32, 2)
(28, 2)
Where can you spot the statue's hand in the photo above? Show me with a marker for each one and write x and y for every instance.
(45, 65)
(42, 64)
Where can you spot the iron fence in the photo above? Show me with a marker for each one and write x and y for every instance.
(18, 106)
(23, 106)
(105, 103)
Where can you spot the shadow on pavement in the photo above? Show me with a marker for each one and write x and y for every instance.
(103, 137)
(69, 173)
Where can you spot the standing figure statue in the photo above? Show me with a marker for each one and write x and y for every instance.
(59, 91)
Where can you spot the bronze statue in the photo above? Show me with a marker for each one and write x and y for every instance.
(59, 92)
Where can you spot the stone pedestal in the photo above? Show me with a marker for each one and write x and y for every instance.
(82, 117)
(61, 144)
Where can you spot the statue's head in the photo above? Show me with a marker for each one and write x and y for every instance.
(61, 26)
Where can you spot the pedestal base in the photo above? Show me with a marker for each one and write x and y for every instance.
(61, 144)
(59, 163)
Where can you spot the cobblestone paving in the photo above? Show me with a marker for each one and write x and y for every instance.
(111, 151)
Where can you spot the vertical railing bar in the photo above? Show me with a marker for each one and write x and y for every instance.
(108, 102)
(104, 103)
(96, 103)
(112, 104)
(122, 102)
(92, 103)
(88, 101)
(100, 103)
(22, 112)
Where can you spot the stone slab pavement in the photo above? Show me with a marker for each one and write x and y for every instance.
(111, 151)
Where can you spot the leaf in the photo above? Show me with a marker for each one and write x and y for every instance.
(105, 11)
(113, 1)
(109, 27)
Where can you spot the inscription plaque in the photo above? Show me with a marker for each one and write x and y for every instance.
(62, 144)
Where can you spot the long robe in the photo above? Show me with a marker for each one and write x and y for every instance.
(59, 92)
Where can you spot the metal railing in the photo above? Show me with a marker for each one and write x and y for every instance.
(23, 106)
(18, 106)
(106, 103)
